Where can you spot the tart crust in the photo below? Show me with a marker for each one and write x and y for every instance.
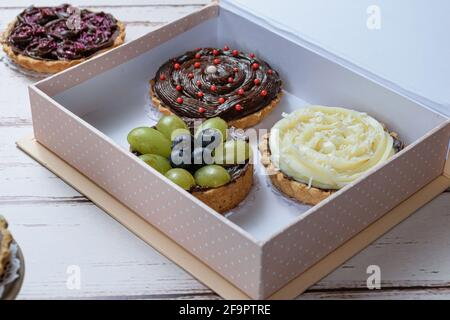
(51, 66)
(241, 123)
(5, 243)
(294, 189)
(227, 197)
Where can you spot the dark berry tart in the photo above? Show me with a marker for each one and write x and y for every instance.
(51, 39)
(5, 243)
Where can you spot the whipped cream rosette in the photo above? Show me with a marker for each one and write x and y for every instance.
(328, 147)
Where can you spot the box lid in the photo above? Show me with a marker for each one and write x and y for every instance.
(400, 44)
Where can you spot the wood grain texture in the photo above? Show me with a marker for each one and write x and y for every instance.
(103, 3)
(57, 227)
(145, 14)
(115, 264)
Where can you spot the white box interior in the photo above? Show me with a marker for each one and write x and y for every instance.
(117, 100)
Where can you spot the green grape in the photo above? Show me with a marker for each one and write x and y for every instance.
(168, 124)
(179, 132)
(148, 140)
(160, 164)
(212, 176)
(214, 123)
(233, 152)
(181, 177)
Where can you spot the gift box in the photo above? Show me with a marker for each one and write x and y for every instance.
(83, 116)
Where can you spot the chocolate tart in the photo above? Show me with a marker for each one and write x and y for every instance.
(5, 243)
(51, 39)
(205, 83)
(294, 189)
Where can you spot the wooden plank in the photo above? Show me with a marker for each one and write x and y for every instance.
(128, 14)
(103, 3)
(390, 294)
(14, 106)
(112, 261)
(415, 253)
(22, 179)
(115, 263)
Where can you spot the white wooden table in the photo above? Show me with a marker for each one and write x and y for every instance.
(57, 227)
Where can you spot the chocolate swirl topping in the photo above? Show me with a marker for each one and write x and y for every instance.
(209, 82)
(61, 33)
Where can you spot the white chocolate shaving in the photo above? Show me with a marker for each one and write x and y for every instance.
(328, 147)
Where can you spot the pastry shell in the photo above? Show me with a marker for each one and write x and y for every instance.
(6, 240)
(292, 188)
(227, 197)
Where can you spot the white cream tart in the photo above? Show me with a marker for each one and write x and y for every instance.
(328, 147)
(316, 150)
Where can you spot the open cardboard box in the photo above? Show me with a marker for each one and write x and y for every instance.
(83, 116)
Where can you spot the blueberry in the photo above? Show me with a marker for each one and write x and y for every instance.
(181, 157)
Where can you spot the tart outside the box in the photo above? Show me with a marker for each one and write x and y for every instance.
(12, 290)
(48, 66)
